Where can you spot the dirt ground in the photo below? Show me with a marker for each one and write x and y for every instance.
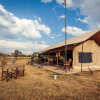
(38, 84)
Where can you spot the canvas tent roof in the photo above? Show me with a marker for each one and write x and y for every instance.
(75, 40)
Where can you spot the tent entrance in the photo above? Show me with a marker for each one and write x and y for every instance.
(69, 55)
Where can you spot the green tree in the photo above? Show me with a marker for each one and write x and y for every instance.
(17, 53)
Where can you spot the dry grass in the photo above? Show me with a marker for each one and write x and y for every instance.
(38, 84)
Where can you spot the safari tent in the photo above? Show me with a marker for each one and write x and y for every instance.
(84, 50)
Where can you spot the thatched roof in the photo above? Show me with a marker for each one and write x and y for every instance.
(73, 41)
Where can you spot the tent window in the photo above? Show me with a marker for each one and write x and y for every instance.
(85, 57)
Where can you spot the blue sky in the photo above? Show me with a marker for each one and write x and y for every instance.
(32, 25)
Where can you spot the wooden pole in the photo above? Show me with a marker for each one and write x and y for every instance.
(65, 33)
(82, 57)
(2, 72)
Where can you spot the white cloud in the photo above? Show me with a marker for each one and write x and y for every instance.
(62, 16)
(42, 27)
(74, 30)
(52, 37)
(39, 18)
(99, 26)
(90, 9)
(10, 24)
(84, 20)
(46, 1)
(68, 2)
(26, 47)
(60, 1)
